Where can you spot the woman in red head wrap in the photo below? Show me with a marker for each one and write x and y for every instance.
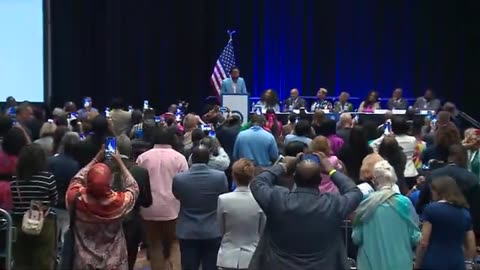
(99, 239)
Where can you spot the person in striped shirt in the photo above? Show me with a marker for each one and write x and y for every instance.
(33, 183)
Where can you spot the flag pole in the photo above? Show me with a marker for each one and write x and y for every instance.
(230, 34)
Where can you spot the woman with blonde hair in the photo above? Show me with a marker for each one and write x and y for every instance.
(241, 220)
(385, 227)
(322, 144)
(46, 137)
(447, 234)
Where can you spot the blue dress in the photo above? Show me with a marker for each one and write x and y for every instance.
(449, 225)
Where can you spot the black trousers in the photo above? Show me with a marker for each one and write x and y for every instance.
(133, 236)
(199, 252)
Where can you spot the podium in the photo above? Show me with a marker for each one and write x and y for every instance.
(238, 104)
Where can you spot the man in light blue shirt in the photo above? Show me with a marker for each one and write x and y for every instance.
(234, 84)
(256, 144)
(302, 134)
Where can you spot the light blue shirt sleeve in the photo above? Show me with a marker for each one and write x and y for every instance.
(224, 87)
(243, 88)
(273, 149)
(235, 149)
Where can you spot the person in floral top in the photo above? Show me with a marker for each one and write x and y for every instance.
(99, 238)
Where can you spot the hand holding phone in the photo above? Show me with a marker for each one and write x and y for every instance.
(110, 147)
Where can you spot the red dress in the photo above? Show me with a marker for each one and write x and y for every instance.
(7, 170)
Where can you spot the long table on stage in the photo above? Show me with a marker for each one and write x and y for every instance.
(377, 118)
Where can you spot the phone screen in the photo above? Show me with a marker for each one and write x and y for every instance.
(280, 159)
(145, 105)
(206, 127)
(86, 102)
(211, 133)
(110, 146)
(130, 108)
(157, 119)
(310, 157)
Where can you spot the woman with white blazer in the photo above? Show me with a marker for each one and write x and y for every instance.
(241, 220)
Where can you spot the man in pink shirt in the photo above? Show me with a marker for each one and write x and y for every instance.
(162, 163)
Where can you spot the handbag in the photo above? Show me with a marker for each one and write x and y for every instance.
(33, 219)
(68, 250)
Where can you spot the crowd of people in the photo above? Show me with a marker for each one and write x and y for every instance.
(203, 190)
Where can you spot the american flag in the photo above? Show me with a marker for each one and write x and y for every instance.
(222, 67)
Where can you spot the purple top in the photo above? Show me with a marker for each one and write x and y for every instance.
(335, 143)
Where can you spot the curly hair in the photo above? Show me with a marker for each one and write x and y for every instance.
(273, 101)
(447, 135)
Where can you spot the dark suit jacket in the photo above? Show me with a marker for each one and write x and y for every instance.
(401, 104)
(227, 135)
(141, 177)
(197, 190)
(64, 168)
(296, 104)
(304, 225)
(466, 181)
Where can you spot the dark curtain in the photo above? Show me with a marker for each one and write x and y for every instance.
(165, 50)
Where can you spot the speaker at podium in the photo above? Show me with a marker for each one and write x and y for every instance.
(238, 104)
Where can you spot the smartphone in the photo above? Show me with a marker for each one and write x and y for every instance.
(110, 146)
(211, 133)
(87, 102)
(107, 112)
(146, 106)
(130, 108)
(72, 116)
(280, 159)
(157, 119)
(206, 127)
(425, 167)
(258, 110)
(310, 157)
(387, 128)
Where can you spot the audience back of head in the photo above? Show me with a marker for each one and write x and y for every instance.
(292, 149)
(14, 141)
(302, 128)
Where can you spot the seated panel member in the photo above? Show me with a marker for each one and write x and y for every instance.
(234, 84)
(294, 102)
(397, 102)
(342, 105)
(427, 102)
(269, 100)
(370, 104)
(321, 103)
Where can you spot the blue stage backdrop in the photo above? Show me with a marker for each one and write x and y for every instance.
(165, 50)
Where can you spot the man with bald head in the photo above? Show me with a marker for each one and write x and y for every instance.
(198, 190)
(294, 102)
(342, 105)
(303, 224)
(345, 126)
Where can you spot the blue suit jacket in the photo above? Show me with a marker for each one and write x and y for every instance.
(197, 190)
(227, 86)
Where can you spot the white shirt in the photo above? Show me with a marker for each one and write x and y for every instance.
(408, 144)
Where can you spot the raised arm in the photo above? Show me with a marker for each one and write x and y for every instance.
(263, 184)
(351, 196)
